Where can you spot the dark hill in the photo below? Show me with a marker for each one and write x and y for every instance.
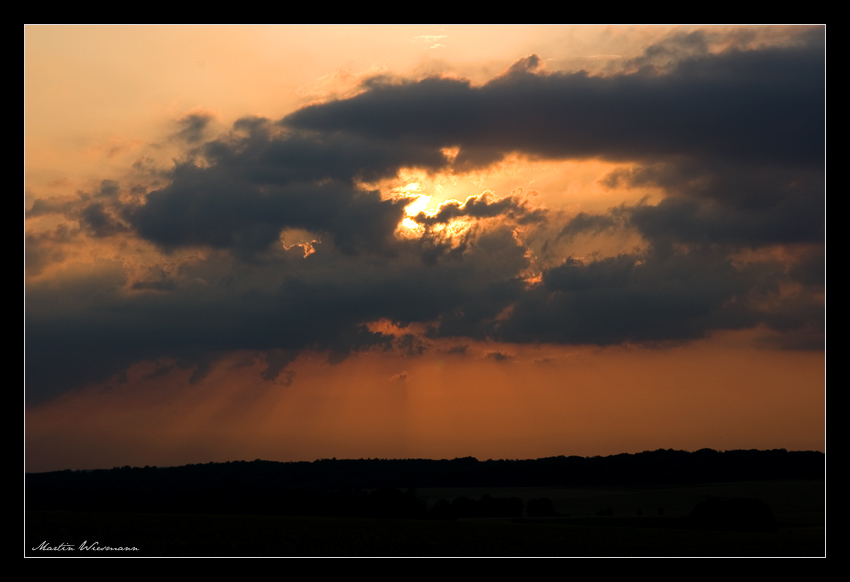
(300, 487)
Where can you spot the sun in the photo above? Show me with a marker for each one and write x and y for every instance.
(414, 208)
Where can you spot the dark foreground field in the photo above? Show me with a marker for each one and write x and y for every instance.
(637, 522)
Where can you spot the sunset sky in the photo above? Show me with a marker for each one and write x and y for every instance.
(304, 242)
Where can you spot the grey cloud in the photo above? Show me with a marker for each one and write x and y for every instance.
(277, 361)
(193, 127)
(762, 105)
(256, 185)
(792, 220)
(199, 209)
(99, 222)
(811, 268)
(160, 372)
(201, 363)
(108, 189)
(96, 211)
(527, 64)
(735, 140)
(672, 50)
(90, 329)
(52, 205)
(728, 203)
(574, 275)
(593, 223)
(266, 156)
(410, 345)
(739, 112)
(482, 206)
(659, 296)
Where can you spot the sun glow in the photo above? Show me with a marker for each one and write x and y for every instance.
(415, 207)
(418, 205)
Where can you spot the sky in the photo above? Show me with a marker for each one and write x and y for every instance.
(303, 242)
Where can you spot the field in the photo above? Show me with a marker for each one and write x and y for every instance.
(579, 531)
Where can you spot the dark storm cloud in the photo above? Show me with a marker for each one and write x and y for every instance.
(205, 208)
(253, 186)
(735, 141)
(266, 155)
(792, 220)
(89, 329)
(724, 120)
(654, 297)
(720, 203)
(763, 106)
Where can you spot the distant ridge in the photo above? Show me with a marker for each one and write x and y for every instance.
(259, 486)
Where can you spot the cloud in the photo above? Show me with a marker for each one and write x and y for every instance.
(99, 222)
(52, 205)
(482, 206)
(733, 139)
(277, 361)
(728, 203)
(89, 328)
(594, 223)
(193, 126)
(96, 212)
(254, 186)
(45, 248)
(657, 296)
(763, 106)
